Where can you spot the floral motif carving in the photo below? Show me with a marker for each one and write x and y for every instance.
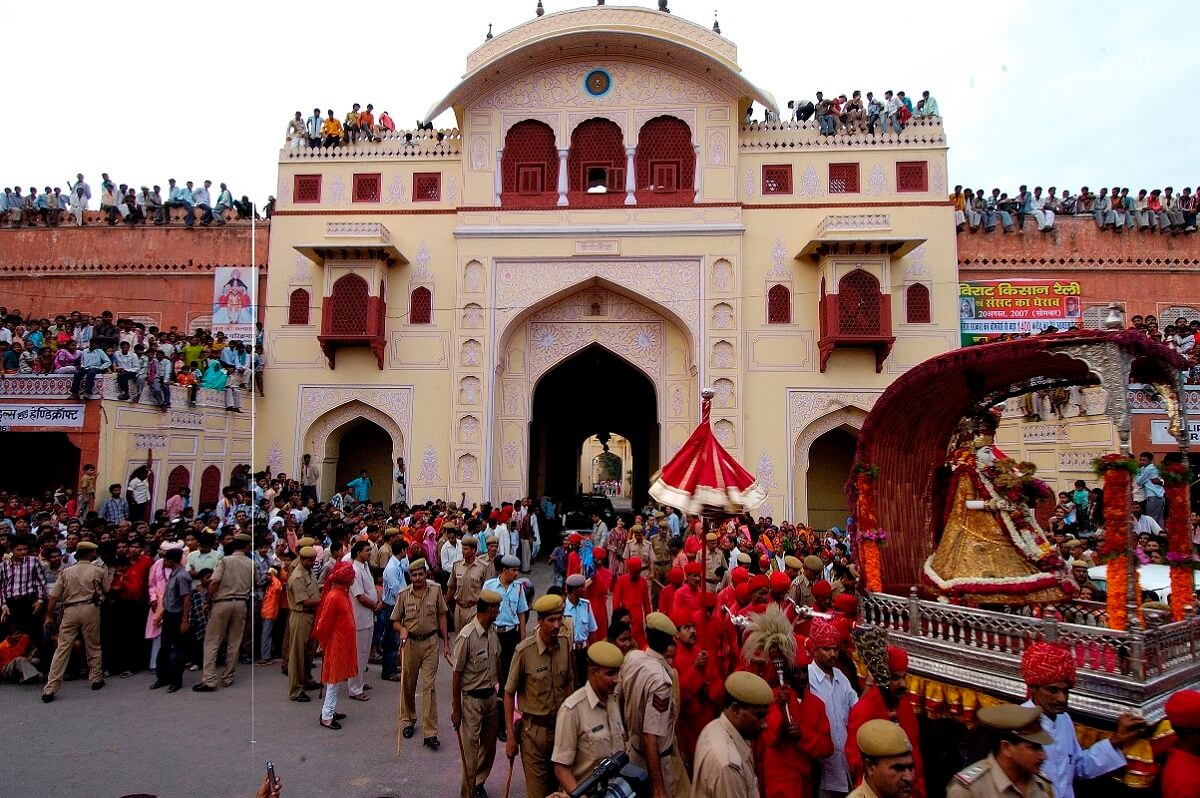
(724, 432)
(916, 264)
(285, 190)
(452, 189)
(877, 182)
(779, 260)
(472, 353)
(275, 457)
(806, 405)
(468, 429)
(479, 148)
(810, 184)
(722, 316)
(395, 192)
(561, 86)
(337, 191)
(473, 277)
(429, 467)
(677, 401)
(303, 273)
(145, 440)
(472, 317)
(766, 474)
(722, 275)
(725, 394)
(421, 274)
(468, 468)
(469, 390)
(722, 355)
(718, 145)
(748, 182)
(395, 402)
(511, 450)
(552, 342)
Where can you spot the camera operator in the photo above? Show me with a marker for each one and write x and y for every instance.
(589, 727)
(724, 753)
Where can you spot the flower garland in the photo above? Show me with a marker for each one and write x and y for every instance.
(1178, 477)
(1117, 472)
(1019, 521)
(867, 532)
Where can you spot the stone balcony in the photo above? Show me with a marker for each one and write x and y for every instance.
(416, 145)
(58, 387)
(792, 136)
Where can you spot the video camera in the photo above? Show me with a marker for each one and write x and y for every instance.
(614, 777)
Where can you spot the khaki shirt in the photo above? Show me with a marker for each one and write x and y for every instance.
(380, 556)
(301, 586)
(476, 653)
(985, 779)
(713, 561)
(650, 707)
(801, 591)
(863, 790)
(83, 581)
(234, 575)
(724, 763)
(643, 551)
(587, 731)
(661, 549)
(540, 677)
(420, 613)
(467, 581)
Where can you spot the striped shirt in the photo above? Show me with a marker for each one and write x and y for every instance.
(22, 578)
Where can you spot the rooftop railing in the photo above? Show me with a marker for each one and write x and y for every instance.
(404, 144)
(789, 134)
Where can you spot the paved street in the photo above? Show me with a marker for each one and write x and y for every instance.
(126, 740)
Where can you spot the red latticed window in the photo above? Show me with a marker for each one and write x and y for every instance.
(858, 304)
(427, 186)
(530, 158)
(779, 305)
(306, 189)
(178, 479)
(420, 306)
(348, 306)
(298, 307)
(210, 487)
(843, 178)
(664, 150)
(917, 308)
(366, 187)
(597, 152)
(777, 179)
(912, 175)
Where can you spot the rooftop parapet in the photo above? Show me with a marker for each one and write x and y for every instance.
(791, 135)
(403, 144)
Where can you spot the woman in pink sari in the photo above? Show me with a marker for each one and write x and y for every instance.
(618, 536)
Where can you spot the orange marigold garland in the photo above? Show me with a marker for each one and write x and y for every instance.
(1117, 472)
(1178, 477)
(870, 537)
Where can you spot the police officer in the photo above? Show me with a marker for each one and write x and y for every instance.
(724, 753)
(303, 598)
(80, 588)
(888, 767)
(650, 710)
(541, 676)
(660, 547)
(1014, 765)
(420, 619)
(578, 616)
(229, 593)
(589, 727)
(466, 581)
(476, 655)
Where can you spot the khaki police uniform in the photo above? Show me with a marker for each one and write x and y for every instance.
(985, 779)
(587, 731)
(724, 763)
(301, 587)
(227, 618)
(467, 581)
(662, 562)
(712, 561)
(541, 679)
(476, 655)
(419, 614)
(650, 708)
(79, 588)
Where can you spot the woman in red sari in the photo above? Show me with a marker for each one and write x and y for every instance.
(335, 633)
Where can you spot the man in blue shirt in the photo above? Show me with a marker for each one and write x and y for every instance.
(514, 606)
(393, 582)
(179, 198)
(202, 200)
(361, 486)
(92, 362)
(583, 624)
(1148, 486)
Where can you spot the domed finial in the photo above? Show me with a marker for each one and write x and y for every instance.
(716, 24)
(489, 34)
(662, 6)
(540, 10)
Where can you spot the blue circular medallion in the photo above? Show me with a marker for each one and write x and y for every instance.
(597, 83)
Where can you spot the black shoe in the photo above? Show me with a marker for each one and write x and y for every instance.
(98, 685)
(333, 724)
(408, 732)
(432, 743)
(302, 698)
(47, 698)
(175, 688)
(313, 686)
(502, 736)
(203, 688)
(479, 792)
(157, 685)
(339, 715)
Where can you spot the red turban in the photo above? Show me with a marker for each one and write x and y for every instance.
(742, 592)
(1183, 709)
(758, 582)
(708, 600)
(574, 538)
(691, 546)
(846, 604)
(1047, 663)
(600, 553)
(844, 625)
(693, 568)
(802, 654)
(897, 660)
(675, 576)
(739, 575)
(683, 617)
(824, 634)
(780, 582)
(822, 588)
(634, 564)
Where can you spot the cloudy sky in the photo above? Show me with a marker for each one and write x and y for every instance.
(1062, 93)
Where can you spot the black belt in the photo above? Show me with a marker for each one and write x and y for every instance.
(305, 612)
(662, 563)
(545, 721)
(670, 750)
(482, 694)
(500, 630)
(231, 598)
(422, 637)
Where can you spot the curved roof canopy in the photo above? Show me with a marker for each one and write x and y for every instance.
(603, 32)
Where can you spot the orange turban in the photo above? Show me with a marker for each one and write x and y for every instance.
(1047, 663)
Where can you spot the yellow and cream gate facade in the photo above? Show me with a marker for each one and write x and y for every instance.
(599, 238)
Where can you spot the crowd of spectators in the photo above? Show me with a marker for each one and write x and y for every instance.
(1155, 211)
(124, 204)
(359, 124)
(842, 115)
(141, 358)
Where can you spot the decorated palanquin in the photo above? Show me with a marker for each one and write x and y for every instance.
(961, 573)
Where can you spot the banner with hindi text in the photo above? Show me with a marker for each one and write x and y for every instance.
(988, 309)
(233, 303)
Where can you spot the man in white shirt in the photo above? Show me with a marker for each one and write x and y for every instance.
(1144, 524)
(833, 688)
(365, 600)
(451, 550)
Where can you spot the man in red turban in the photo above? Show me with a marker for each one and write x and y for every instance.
(335, 633)
(1049, 672)
(829, 684)
(574, 558)
(687, 596)
(632, 592)
(596, 592)
(888, 701)
(1181, 775)
(779, 584)
(695, 710)
(727, 596)
(822, 593)
(666, 596)
(760, 590)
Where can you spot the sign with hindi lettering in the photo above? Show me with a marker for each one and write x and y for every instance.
(988, 309)
(1160, 433)
(233, 303)
(22, 416)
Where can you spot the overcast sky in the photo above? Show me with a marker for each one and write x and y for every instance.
(1062, 93)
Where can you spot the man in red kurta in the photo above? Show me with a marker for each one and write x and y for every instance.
(597, 592)
(791, 752)
(687, 596)
(574, 561)
(695, 708)
(632, 592)
(780, 584)
(891, 702)
(1181, 774)
(666, 596)
(727, 596)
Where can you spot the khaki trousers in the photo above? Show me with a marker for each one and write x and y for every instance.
(299, 629)
(480, 726)
(419, 656)
(537, 744)
(81, 620)
(668, 765)
(226, 623)
(462, 617)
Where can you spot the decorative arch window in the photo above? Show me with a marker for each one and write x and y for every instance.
(210, 486)
(917, 306)
(858, 304)
(529, 164)
(779, 305)
(665, 160)
(596, 161)
(298, 307)
(178, 479)
(420, 306)
(348, 306)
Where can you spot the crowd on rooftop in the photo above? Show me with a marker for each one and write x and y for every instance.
(1155, 211)
(842, 115)
(359, 124)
